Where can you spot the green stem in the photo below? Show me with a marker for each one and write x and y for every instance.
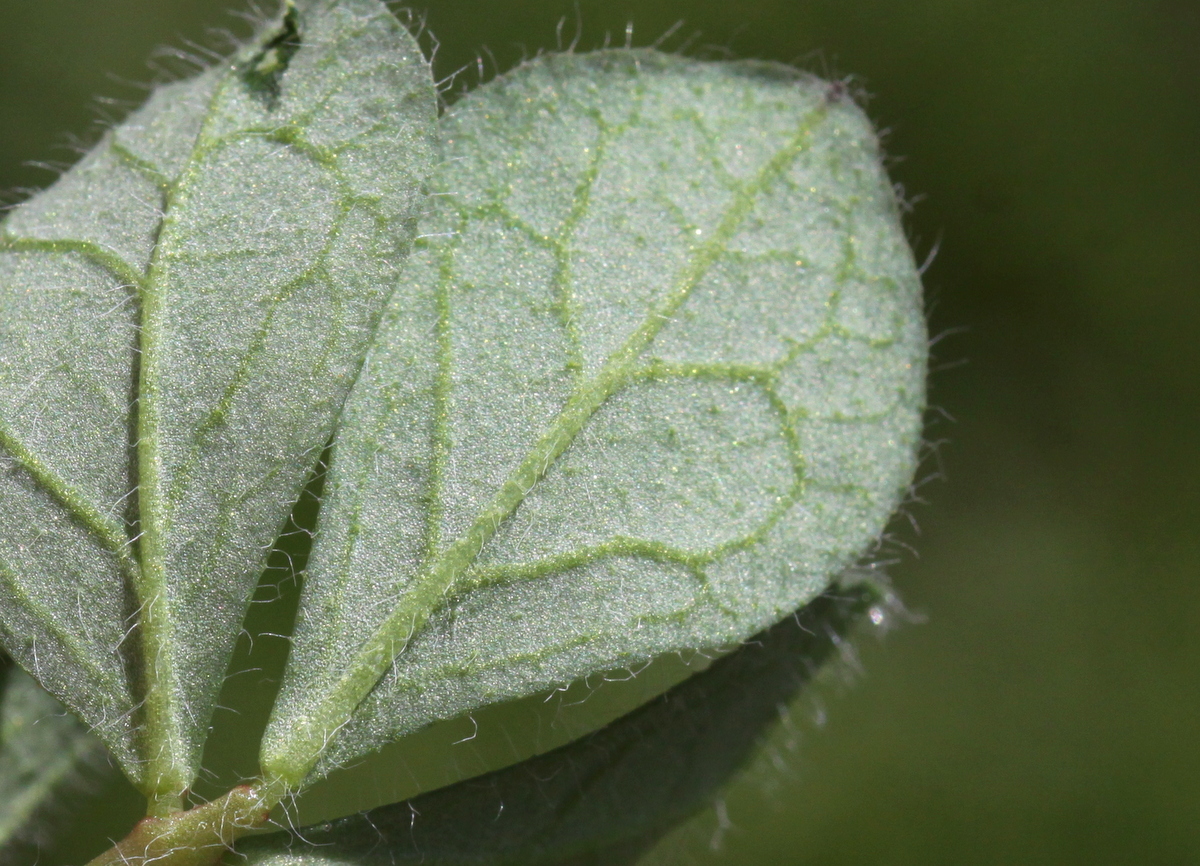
(197, 837)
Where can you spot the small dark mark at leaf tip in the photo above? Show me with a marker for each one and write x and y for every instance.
(264, 71)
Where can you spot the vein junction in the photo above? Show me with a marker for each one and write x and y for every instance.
(449, 572)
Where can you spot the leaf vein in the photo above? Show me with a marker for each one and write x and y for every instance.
(110, 534)
(443, 575)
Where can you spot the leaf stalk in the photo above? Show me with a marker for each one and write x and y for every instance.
(197, 837)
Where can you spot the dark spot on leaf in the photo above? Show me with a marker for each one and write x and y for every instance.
(264, 72)
(837, 91)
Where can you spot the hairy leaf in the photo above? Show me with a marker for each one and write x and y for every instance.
(181, 317)
(604, 799)
(654, 378)
(44, 752)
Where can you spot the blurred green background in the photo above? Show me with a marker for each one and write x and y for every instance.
(1048, 709)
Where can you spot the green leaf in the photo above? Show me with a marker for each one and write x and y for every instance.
(606, 798)
(44, 753)
(181, 317)
(656, 376)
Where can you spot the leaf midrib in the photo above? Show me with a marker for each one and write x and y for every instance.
(445, 574)
(168, 760)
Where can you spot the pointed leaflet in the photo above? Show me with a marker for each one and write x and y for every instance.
(182, 316)
(660, 379)
(44, 751)
(605, 798)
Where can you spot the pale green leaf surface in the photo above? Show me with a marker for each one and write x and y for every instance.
(605, 798)
(44, 751)
(181, 316)
(655, 376)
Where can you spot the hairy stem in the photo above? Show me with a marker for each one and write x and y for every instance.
(197, 837)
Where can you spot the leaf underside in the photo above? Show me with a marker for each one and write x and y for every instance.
(654, 377)
(181, 317)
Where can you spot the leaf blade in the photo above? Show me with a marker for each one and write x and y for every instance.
(231, 302)
(67, 328)
(275, 197)
(764, 197)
